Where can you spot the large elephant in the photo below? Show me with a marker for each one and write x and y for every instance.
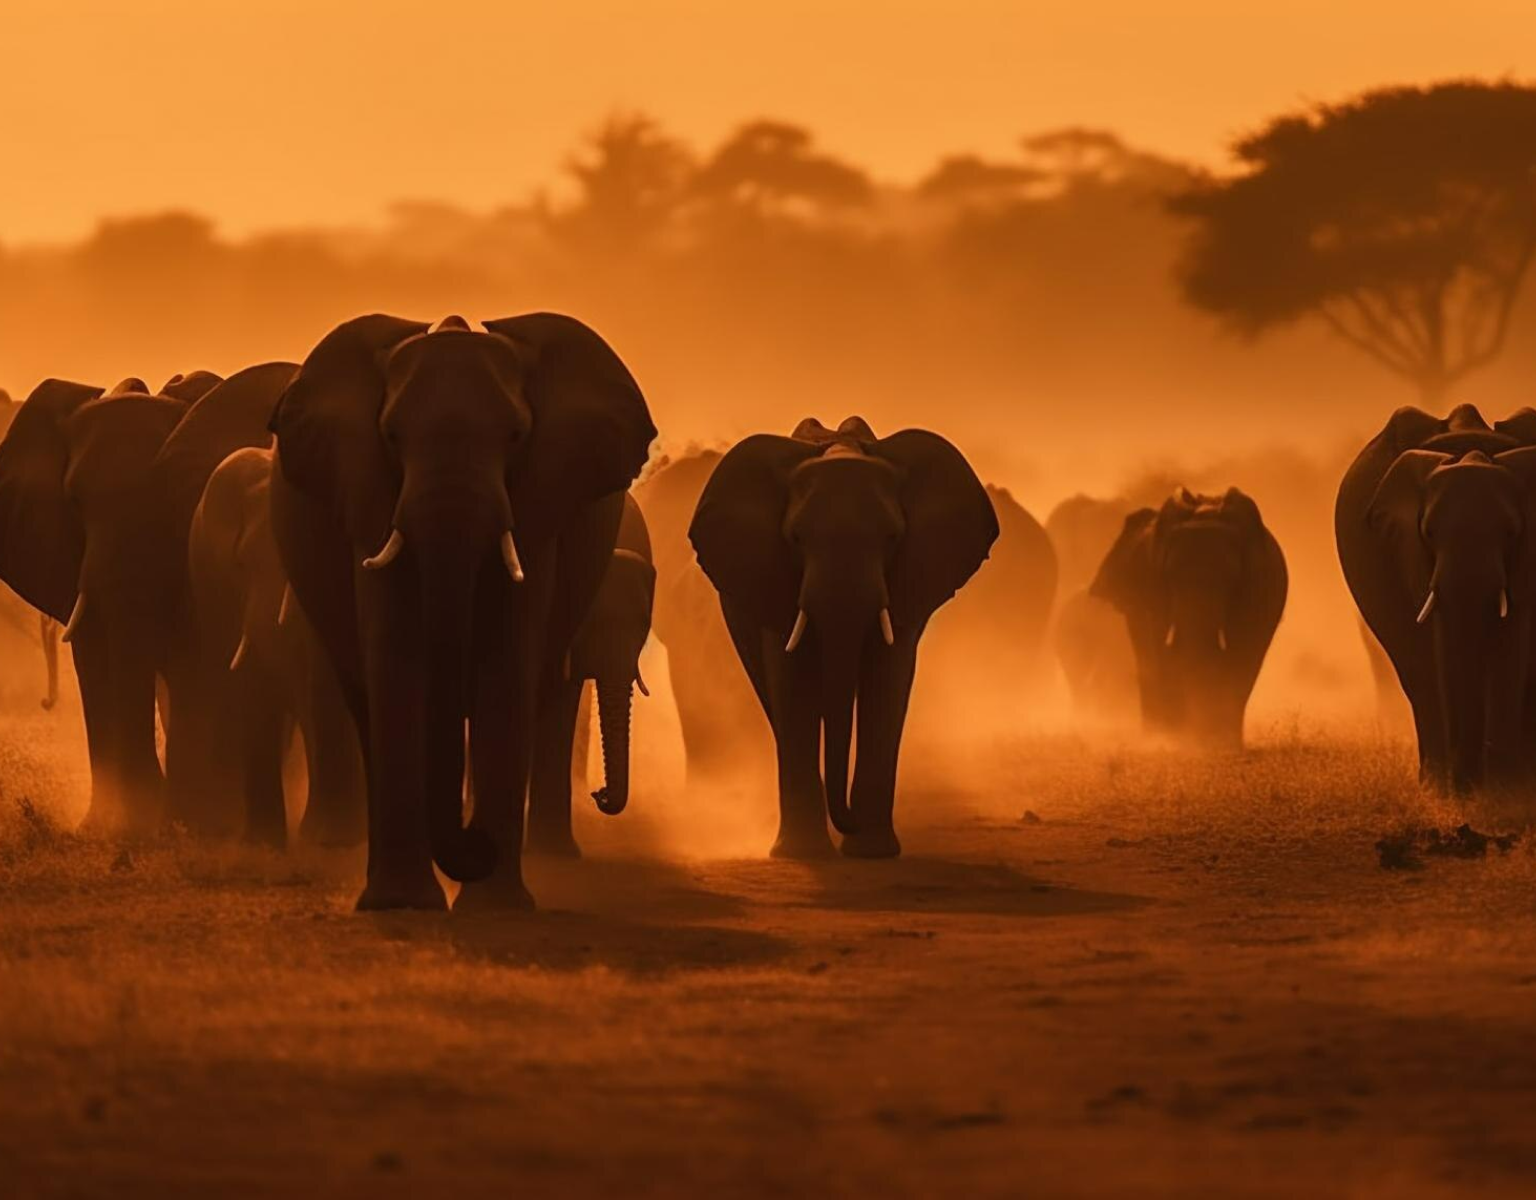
(606, 650)
(831, 551)
(446, 502)
(724, 733)
(1433, 522)
(91, 534)
(1201, 584)
(269, 672)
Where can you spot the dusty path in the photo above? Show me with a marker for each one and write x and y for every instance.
(1183, 980)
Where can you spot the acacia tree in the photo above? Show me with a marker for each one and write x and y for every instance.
(774, 169)
(1405, 219)
(631, 177)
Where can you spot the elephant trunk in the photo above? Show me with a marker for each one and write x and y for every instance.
(841, 652)
(613, 707)
(449, 579)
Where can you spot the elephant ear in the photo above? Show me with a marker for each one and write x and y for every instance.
(1394, 512)
(1127, 573)
(591, 428)
(951, 524)
(1522, 464)
(327, 425)
(42, 541)
(235, 414)
(1520, 425)
(738, 528)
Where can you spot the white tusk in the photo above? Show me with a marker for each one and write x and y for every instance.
(74, 619)
(285, 609)
(1172, 630)
(509, 556)
(885, 627)
(640, 683)
(387, 555)
(796, 633)
(1429, 605)
(1503, 603)
(234, 663)
(1221, 639)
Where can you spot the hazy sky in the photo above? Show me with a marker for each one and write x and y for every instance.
(272, 112)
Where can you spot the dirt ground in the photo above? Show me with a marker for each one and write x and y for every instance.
(1178, 977)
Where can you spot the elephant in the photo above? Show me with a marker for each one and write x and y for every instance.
(97, 491)
(723, 729)
(1202, 585)
(446, 501)
(277, 676)
(1089, 638)
(988, 640)
(831, 550)
(606, 649)
(1432, 524)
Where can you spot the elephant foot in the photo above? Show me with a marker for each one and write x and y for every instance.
(385, 895)
(494, 895)
(561, 844)
(874, 843)
(807, 846)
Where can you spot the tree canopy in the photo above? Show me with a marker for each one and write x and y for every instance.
(1405, 219)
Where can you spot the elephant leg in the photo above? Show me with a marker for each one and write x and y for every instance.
(204, 741)
(262, 729)
(549, 785)
(795, 691)
(104, 813)
(399, 848)
(884, 693)
(337, 812)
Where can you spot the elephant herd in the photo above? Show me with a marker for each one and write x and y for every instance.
(415, 548)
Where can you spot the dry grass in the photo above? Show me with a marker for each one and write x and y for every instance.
(1187, 977)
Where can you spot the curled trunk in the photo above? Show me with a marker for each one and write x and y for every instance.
(613, 706)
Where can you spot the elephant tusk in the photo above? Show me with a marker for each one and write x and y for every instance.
(234, 663)
(886, 631)
(1172, 631)
(796, 633)
(388, 554)
(509, 556)
(74, 619)
(1429, 606)
(285, 609)
(640, 683)
(1221, 639)
(1503, 603)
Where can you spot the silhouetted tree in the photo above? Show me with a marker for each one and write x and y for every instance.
(631, 178)
(966, 179)
(1405, 219)
(771, 168)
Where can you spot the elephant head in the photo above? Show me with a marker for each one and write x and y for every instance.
(445, 452)
(837, 547)
(607, 649)
(1456, 527)
(1201, 583)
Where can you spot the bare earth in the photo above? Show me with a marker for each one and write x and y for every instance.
(1187, 978)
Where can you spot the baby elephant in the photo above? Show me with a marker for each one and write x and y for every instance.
(606, 650)
(1201, 583)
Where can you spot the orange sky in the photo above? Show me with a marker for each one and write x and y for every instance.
(271, 112)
